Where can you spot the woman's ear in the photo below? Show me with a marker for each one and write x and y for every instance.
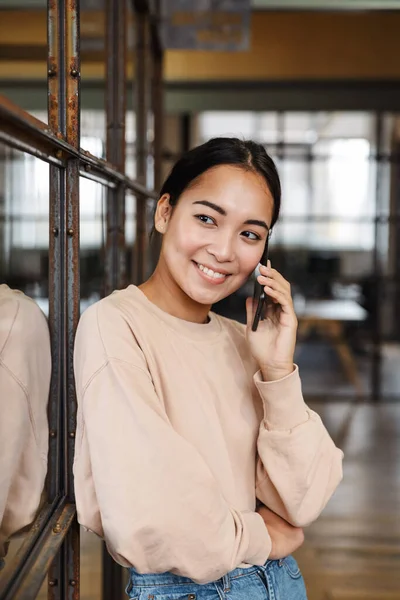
(163, 213)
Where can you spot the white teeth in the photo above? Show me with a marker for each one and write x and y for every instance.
(211, 273)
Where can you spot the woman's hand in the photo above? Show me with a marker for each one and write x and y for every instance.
(273, 344)
(285, 538)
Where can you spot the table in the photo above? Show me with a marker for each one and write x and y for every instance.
(329, 317)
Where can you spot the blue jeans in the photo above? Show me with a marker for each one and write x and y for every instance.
(276, 580)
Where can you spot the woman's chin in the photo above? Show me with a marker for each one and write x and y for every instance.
(206, 296)
(207, 293)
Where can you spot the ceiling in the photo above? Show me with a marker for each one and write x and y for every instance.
(326, 4)
(256, 4)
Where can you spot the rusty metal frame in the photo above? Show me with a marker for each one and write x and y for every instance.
(148, 95)
(26, 133)
(157, 106)
(157, 98)
(141, 95)
(115, 263)
(8, 579)
(64, 120)
(52, 544)
(56, 110)
(33, 572)
(116, 52)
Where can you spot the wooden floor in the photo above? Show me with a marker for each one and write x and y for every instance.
(353, 551)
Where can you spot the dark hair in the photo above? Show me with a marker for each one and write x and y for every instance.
(223, 151)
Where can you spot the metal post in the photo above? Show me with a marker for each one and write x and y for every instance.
(185, 131)
(64, 120)
(395, 223)
(376, 371)
(115, 271)
(140, 246)
(116, 19)
(157, 95)
(72, 277)
(157, 101)
(56, 119)
(56, 106)
(158, 112)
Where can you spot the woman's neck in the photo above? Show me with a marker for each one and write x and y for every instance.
(165, 293)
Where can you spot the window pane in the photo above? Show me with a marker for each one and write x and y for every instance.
(26, 200)
(296, 192)
(334, 234)
(92, 240)
(343, 179)
(267, 128)
(300, 127)
(230, 124)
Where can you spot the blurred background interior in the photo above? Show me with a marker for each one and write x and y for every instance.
(316, 82)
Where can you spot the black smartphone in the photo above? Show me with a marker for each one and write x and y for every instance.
(260, 299)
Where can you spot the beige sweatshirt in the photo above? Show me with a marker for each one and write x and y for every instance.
(25, 369)
(178, 435)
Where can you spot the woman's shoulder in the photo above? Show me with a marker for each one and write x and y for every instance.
(107, 332)
(119, 305)
(111, 318)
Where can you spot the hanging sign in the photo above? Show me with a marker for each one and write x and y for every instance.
(205, 24)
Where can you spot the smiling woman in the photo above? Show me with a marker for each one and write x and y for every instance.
(237, 184)
(197, 459)
(223, 238)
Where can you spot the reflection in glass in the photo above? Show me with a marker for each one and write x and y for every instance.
(24, 223)
(25, 370)
(25, 359)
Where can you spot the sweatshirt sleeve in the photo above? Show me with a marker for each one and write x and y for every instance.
(299, 466)
(25, 369)
(159, 504)
(14, 428)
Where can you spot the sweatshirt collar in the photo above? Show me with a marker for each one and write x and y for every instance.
(197, 331)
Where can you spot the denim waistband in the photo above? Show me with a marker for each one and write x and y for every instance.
(155, 579)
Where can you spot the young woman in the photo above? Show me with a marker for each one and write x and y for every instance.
(197, 459)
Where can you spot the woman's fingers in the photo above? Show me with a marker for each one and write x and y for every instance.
(275, 289)
(279, 293)
(275, 275)
(279, 297)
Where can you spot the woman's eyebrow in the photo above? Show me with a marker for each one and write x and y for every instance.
(215, 207)
(223, 212)
(256, 222)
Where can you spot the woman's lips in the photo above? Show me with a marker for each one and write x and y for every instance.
(210, 278)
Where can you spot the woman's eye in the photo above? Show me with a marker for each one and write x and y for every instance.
(205, 219)
(251, 235)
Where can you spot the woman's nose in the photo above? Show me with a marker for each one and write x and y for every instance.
(223, 250)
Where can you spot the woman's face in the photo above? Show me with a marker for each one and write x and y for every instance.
(215, 236)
